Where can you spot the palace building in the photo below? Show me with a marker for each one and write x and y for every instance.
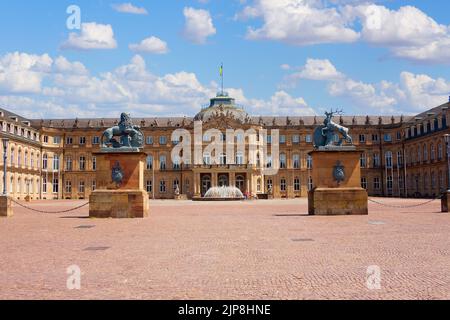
(401, 156)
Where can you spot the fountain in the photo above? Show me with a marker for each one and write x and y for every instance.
(223, 193)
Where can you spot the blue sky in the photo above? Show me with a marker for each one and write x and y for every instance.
(281, 57)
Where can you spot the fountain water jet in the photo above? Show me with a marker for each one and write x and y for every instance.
(223, 193)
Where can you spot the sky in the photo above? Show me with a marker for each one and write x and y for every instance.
(98, 58)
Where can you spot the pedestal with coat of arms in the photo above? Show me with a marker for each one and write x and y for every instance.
(336, 173)
(120, 189)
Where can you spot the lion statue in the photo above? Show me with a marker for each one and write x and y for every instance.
(130, 135)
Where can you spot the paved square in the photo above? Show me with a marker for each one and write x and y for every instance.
(245, 250)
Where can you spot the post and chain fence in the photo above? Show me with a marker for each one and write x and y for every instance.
(50, 212)
(405, 207)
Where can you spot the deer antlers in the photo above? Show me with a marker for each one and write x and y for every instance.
(331, 113)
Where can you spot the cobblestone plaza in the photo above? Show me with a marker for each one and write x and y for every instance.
(265, 249)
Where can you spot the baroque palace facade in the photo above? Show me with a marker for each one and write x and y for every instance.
(402, 156)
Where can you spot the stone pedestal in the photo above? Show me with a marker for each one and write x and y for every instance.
(332, 197)
(126, 199)
(5, 206)
(445, 201)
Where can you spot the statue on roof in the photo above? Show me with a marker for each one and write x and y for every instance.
(130, 136)
(325, 135)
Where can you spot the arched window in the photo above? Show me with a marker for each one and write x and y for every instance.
(425, 153)
(25, 160)
(12, 157)
(19, 157)
(240, 182)
(296, 184)
(162, 162)
(223, 180)
(432, 152)
(69, 163)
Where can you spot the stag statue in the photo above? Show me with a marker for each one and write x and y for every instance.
(130, 135)
(324, 136)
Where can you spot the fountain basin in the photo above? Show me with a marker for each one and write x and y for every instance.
(221, 194)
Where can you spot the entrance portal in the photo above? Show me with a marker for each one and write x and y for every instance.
(223, 180)
(206, 183)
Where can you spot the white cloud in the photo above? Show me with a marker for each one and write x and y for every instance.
(150, 45)
(198, 25)
(92, 36)
(23, 73)
(413, 93)
(129, 8)
(407, 32)
(39, 86)
(298, 22)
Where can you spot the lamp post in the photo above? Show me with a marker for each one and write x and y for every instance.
(5, 159)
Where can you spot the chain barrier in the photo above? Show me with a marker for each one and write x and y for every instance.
(405, 207)
(50, 212)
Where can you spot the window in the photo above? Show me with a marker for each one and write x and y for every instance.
(283, 161)
(419, 155)
(269, 161)
(25, 161)
(19, 158)
(82, 140)
(57, 140)
(387, 137)
(68, 186)
(69, 163)
(162, 162)
(269, 138)
(81, 186)
(433, 181)
(283, 184)
(69, 140)
(55, 185)
(239, 158)
(362, 160)
(82, 163)
(399, 135)
(432, 152)
(96, 140)
(223, 158)
(297, 184)
(223, 137)
(296, 161)
(258, 185)
(425, 153)
(206, 158)
(176, 162)
(162, 140)
(94, 163)
(440, 151)
(388, 157)
(375, 138)
(44, 184)
(149, 140)
(55, 162)
(269, 184)
(149, 186)
(399, 158)
(283, 139)
(296, 139)
(309, 163)
(149, 162)
(32, 160)
(176, 184)
(376, 160)
(362, 138)
(45, 162)
(308, 138)
(376, 183)
(45, 139)
(310, 183)
(364, 183)
(389, 183)
(162, 186)
(94, 185)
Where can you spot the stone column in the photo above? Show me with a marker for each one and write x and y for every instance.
(5, 206)
(197, 186)
(232, 179)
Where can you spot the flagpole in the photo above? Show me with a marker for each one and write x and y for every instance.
(221, 74)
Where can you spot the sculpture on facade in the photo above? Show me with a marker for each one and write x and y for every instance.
(130, 136)
(325, 135)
